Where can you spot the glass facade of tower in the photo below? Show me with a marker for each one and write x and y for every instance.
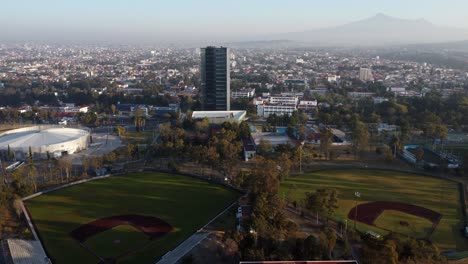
(215, 76)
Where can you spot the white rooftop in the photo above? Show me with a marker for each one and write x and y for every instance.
(213, 115)
(38, 138)
(27, 252)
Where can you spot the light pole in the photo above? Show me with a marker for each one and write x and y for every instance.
(254, 233)
(357, 195)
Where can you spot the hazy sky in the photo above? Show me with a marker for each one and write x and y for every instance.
(156, 20)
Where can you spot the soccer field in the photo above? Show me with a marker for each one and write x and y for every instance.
(184, 203)
(435, 194)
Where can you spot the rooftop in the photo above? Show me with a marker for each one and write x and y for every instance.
(236, 115)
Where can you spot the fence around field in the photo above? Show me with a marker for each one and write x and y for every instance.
(150, 169)
(464, 254)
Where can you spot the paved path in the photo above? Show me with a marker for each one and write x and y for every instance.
(173, 256)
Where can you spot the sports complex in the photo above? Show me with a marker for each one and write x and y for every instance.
(410, 205)
(43, 139)
(133, 218)
(138, 217)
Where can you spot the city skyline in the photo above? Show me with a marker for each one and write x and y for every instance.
(158, 22)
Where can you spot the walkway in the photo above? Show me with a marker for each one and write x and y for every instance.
(173, 256)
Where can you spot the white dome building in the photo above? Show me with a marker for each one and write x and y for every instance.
(54, 140)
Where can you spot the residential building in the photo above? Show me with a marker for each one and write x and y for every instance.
(295, 82)
(283, 100)
(266, 109)
(243, 93)
(365, 74)
(307, 104)
(219, 117)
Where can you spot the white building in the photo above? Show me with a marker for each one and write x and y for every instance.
(360, 94)
(283, 100)
(265, 110)
(219, 117)
(333, 78)
(396, 89)
(243, 93)
(307, 104)
(365, 74)
(319, 90)
(74, 109)
(379, 100)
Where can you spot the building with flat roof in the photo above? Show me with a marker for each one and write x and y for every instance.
(265, 110)
(243, 93)
(215, 76)
(219, 117)
(365, 74)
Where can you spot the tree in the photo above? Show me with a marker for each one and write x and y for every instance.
(395, 144)
(202, 125)
(120, 130)
(85, 162)
(360, 137)
(328, 240)
(31, 173)
(10, 153)
(113, 109)
(109, 158)
(21, 185)
(65, 164)
(139, 119)
(419, 154)
(323, 201)
(130, 151)
(285, 164)
(326, 137)
(264, 147)
(96, 162)
(465, 165)
(244, 130)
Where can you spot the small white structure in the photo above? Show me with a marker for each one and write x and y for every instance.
(307, 104)
(243, 93)
(219, 117)
(27, 252)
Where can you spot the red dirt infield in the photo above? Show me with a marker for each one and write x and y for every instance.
(152, 226)
(368, 212)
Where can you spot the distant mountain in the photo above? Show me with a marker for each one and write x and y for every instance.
(280, 43)
(376, 31)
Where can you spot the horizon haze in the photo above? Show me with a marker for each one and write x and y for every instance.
(205, 22)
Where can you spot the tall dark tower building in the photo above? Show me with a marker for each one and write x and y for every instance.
(215, 76)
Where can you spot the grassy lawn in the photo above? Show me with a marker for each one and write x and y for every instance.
(133, 137)
(380, 185)
(227, 221)
(184, 202)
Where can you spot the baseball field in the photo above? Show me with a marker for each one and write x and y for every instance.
(135, 218)
(409, 204)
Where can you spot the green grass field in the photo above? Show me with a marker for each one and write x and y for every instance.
(417, 226)
(185, 203)
(378, 185)
(458, 150)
